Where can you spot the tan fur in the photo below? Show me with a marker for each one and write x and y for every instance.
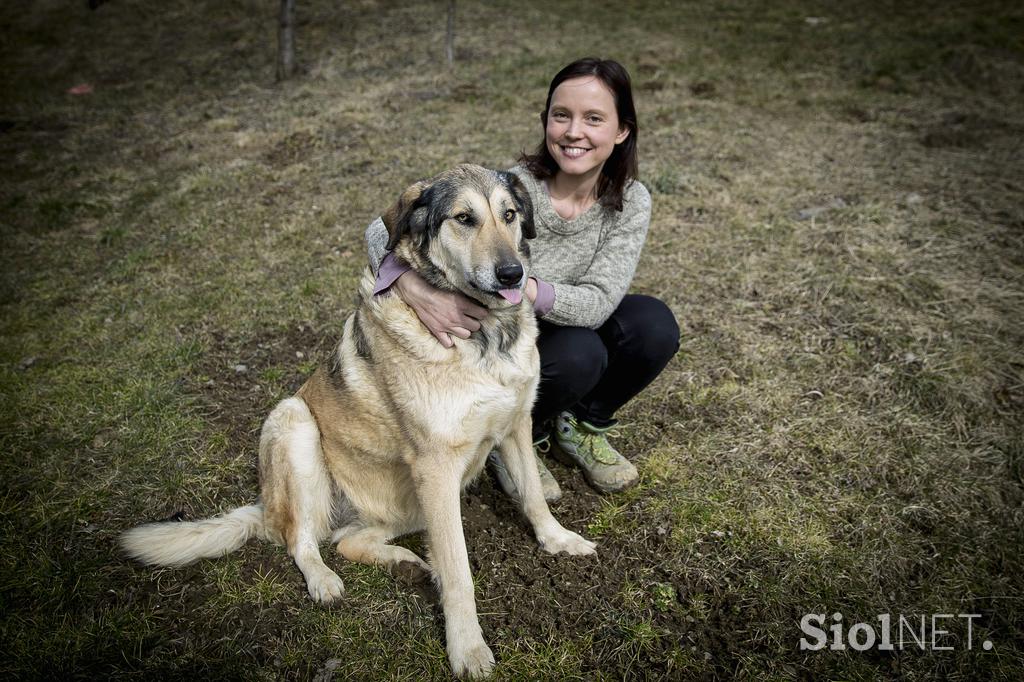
(381, 441)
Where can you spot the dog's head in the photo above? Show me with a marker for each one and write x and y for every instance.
(471, 225)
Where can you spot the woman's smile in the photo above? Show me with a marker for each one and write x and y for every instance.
(574, 151)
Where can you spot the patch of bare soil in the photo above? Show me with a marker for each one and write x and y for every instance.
(524, 592)
(292, 149)
(240, 378)
(962, 129)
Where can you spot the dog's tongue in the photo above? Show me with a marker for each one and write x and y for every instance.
(513, 296)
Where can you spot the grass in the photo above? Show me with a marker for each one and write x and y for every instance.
(841, 431)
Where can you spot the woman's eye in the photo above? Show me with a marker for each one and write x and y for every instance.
(510, 215)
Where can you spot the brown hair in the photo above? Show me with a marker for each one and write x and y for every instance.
(621, 167)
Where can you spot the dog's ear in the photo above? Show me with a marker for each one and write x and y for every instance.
(524, 205)
(408, 215)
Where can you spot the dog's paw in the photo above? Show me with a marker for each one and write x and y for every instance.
(557, 540)
(472, 662)
(326, 587)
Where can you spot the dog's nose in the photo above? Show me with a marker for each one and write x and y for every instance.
(509, 273)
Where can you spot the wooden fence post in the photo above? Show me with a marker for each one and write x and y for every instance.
(286, 40)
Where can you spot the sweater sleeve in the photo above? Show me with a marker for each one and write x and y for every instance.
(593, 298)
(545, 297)
(376, 242)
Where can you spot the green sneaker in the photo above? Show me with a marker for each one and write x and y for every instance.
(548, 485)
(579, 443)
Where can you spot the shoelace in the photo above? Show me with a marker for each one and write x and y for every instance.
(612, 431)
(543, 445)
(587, 438)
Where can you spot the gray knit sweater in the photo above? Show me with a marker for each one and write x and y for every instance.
(590, 260)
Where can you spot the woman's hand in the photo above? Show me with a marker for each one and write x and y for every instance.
(531, 289)
(444, 313)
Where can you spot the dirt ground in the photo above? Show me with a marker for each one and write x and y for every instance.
(521, 589)
(838, 226)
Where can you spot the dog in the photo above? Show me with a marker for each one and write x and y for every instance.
(381, 440)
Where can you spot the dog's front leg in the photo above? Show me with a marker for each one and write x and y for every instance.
(438, 485)
(517, 454)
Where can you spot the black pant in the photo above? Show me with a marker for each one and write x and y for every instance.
(594, 372)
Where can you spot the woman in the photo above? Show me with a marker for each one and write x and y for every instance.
(598, 346)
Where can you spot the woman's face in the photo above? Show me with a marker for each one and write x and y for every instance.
(582, 126)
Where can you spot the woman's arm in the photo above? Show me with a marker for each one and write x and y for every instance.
(376, 243)
(444, 313)
(591, 300)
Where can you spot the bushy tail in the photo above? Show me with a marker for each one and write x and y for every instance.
(177, 543)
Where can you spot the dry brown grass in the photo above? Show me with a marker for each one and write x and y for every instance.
(842, 430)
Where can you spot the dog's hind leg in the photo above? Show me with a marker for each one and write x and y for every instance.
(368, 545)
(298, 494)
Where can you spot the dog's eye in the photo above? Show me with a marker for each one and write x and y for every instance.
(510, 215)
(463, 218)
